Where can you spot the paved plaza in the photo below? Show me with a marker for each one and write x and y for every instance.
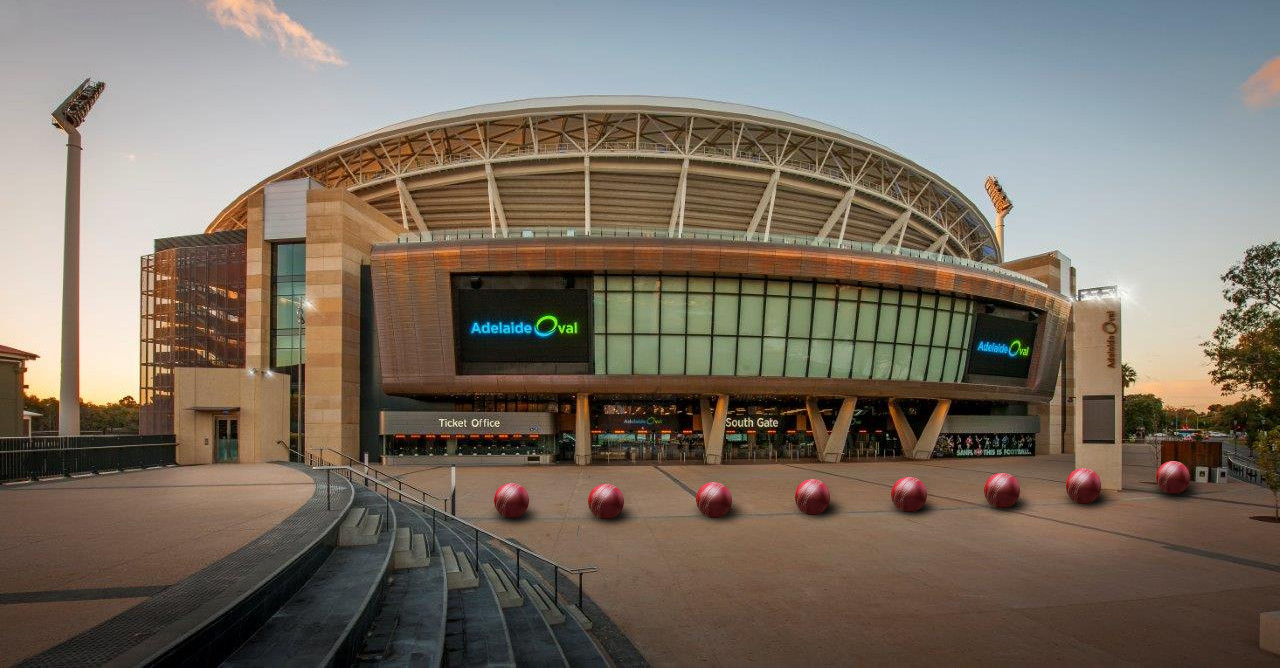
(75, 553)
(1136, 578)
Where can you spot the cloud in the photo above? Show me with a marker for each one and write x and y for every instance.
(1262, 89)
(260, 19)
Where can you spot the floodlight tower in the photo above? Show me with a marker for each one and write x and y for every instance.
(1003, 205)
(68, 116)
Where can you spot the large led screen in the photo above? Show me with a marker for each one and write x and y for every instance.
(1001, 346)
(522, 326)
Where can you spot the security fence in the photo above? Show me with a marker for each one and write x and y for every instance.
(34, 458)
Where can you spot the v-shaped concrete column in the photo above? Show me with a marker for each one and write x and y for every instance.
(830, 444)
(919, 448)
(713, 427)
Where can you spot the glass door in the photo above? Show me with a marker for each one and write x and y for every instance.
(227, 438)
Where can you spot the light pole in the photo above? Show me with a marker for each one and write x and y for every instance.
(302, 367)
(68, 117)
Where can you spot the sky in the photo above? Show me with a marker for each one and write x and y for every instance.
(1139, 139)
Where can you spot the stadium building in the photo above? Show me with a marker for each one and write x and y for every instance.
(598, 279)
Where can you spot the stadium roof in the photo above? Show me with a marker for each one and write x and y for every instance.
(664, 164)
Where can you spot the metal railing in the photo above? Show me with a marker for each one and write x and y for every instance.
(34, 458)
(526, 232)
(361, 471)
(312, 460)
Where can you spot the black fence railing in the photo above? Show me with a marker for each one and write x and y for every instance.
(33, 458)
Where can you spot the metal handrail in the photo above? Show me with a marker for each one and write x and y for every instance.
(378, 472)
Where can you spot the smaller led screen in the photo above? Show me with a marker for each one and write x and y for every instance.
(1001, 346)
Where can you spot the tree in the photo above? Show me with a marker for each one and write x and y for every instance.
(1245, 347)
(1266, 449)
(1144, 412)
(1128, 375)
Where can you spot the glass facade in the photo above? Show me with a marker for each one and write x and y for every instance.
(289, 291)
(192, 316)
(288, 325)
(737, 326)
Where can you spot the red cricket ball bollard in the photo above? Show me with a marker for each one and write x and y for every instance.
(714, 500)
(1084, 486)
(909, 494)
(605, 501)
(511, 500)
(1002, 490)
(1173, 477)
(813, 497)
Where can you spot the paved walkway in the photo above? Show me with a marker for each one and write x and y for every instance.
(1136, 578)
(76, 553)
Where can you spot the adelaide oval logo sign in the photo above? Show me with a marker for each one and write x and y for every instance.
(544, 326)
(1013, 349)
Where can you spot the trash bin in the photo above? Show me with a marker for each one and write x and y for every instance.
(1221, 475)
(1202, 474)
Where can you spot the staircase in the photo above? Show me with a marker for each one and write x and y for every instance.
(404, 588)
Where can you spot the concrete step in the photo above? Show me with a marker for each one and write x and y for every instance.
(410, 550)
(574, 612)
(458, 571)
(508, 596)
(360, 528)
(544, 603)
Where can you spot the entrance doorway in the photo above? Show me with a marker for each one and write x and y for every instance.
(226, 440)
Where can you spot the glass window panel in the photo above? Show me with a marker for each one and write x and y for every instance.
(941, 327)
(597, 282)
(888, 322)
(936, 357)
(797, 357)
(910, 297)
(901, 362)
(726, 284)
(841, 359)
(753, 286)
(863, 356)
(748, 356)
(928, 300)
(919, 359)
(924, 326)
(699, 321)
(618, 354)
(673, 313)
(724, 356)
(598, 299)
(849, 292)
(646, 312)
(772, 352)
(778, 288)
(700, 284)
(802, 289)
(619, 313)
(959, 331)
(944, 302)
(645, 360)
(602, 366)
(618, 282)
(882, 361)
(951, 367)
(819, 358)
(698, 356)
(801, 317)
(824, 316)
(867, 314)
(964, 362)
(871, 295)
(906, 325)
(846, 313)
(672, 355)
(675, 284)
(825, 291)
(644, 283)
(751, 315)
(726, 314)
(775, 316)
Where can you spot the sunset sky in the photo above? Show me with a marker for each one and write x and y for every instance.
(1140, 139)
